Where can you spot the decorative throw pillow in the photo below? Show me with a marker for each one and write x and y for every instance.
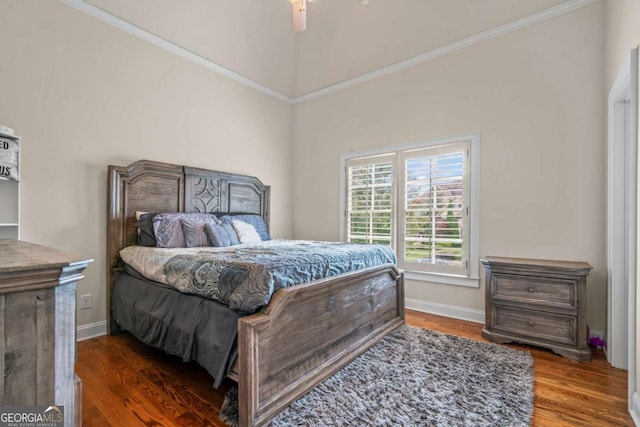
(253, 219)
(168, 230)
(221, 235)
(194, 232)
(232, 234)
(144, 224)
(246, 232)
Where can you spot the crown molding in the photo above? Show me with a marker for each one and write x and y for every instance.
(535, 18)
(165, 44)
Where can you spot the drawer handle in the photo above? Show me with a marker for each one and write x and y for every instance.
(531, 290)
(531, 323)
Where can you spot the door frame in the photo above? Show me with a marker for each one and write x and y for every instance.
(622, 221)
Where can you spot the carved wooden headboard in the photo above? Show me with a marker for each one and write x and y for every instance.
(148, 186)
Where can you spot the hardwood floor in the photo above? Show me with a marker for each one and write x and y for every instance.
(126, 383)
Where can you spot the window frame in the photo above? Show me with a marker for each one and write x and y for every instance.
(471, 279)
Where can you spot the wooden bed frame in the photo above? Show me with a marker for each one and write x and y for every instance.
(306, 333)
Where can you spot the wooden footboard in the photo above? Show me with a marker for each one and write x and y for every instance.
(310, 331)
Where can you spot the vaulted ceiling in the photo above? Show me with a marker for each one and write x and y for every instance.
(343, 40)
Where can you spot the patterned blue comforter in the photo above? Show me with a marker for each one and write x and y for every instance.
(244, 277)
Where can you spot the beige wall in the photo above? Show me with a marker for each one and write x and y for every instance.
(252, 38)
(83, 95)
(622, 34)
(344, 39)
(535, 95)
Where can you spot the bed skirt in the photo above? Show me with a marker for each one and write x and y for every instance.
(191, 327)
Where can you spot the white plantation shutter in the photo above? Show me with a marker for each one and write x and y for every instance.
(421, 198)
(370, 196)
(433, 215)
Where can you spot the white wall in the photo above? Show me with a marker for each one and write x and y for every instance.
(537, 98)
(84, 95)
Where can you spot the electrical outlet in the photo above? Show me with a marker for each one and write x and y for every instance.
(85, 301)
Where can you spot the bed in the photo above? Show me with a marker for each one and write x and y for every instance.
(305, 333)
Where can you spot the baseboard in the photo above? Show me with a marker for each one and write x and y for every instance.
(593, 333)
(453, 311)
(634, 409)
(91, 330)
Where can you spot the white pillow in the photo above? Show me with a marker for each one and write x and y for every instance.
(246, 232)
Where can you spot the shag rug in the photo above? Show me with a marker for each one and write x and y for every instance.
(417, 377)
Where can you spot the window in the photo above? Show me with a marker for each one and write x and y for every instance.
(370, 189)
(432, 211)
(418, 198)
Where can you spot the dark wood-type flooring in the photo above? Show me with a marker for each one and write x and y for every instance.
(126, 383)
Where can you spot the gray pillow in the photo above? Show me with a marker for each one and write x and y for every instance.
(194, 232)
(146, 236)
(221, 235)
(167, 227)
(232, 234)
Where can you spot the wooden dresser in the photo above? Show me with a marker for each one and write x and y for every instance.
(38, 327)
(537, 302)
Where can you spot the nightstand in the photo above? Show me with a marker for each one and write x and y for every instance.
(537, 302)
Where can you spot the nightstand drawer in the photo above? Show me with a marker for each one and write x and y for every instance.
(534, 324)
(540, 291)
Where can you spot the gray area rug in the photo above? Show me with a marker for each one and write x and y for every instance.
(417, 377)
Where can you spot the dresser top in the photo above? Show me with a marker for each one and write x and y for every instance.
(544, 263)
(16, 255)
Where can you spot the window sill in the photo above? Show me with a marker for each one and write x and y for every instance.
(443, 279)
